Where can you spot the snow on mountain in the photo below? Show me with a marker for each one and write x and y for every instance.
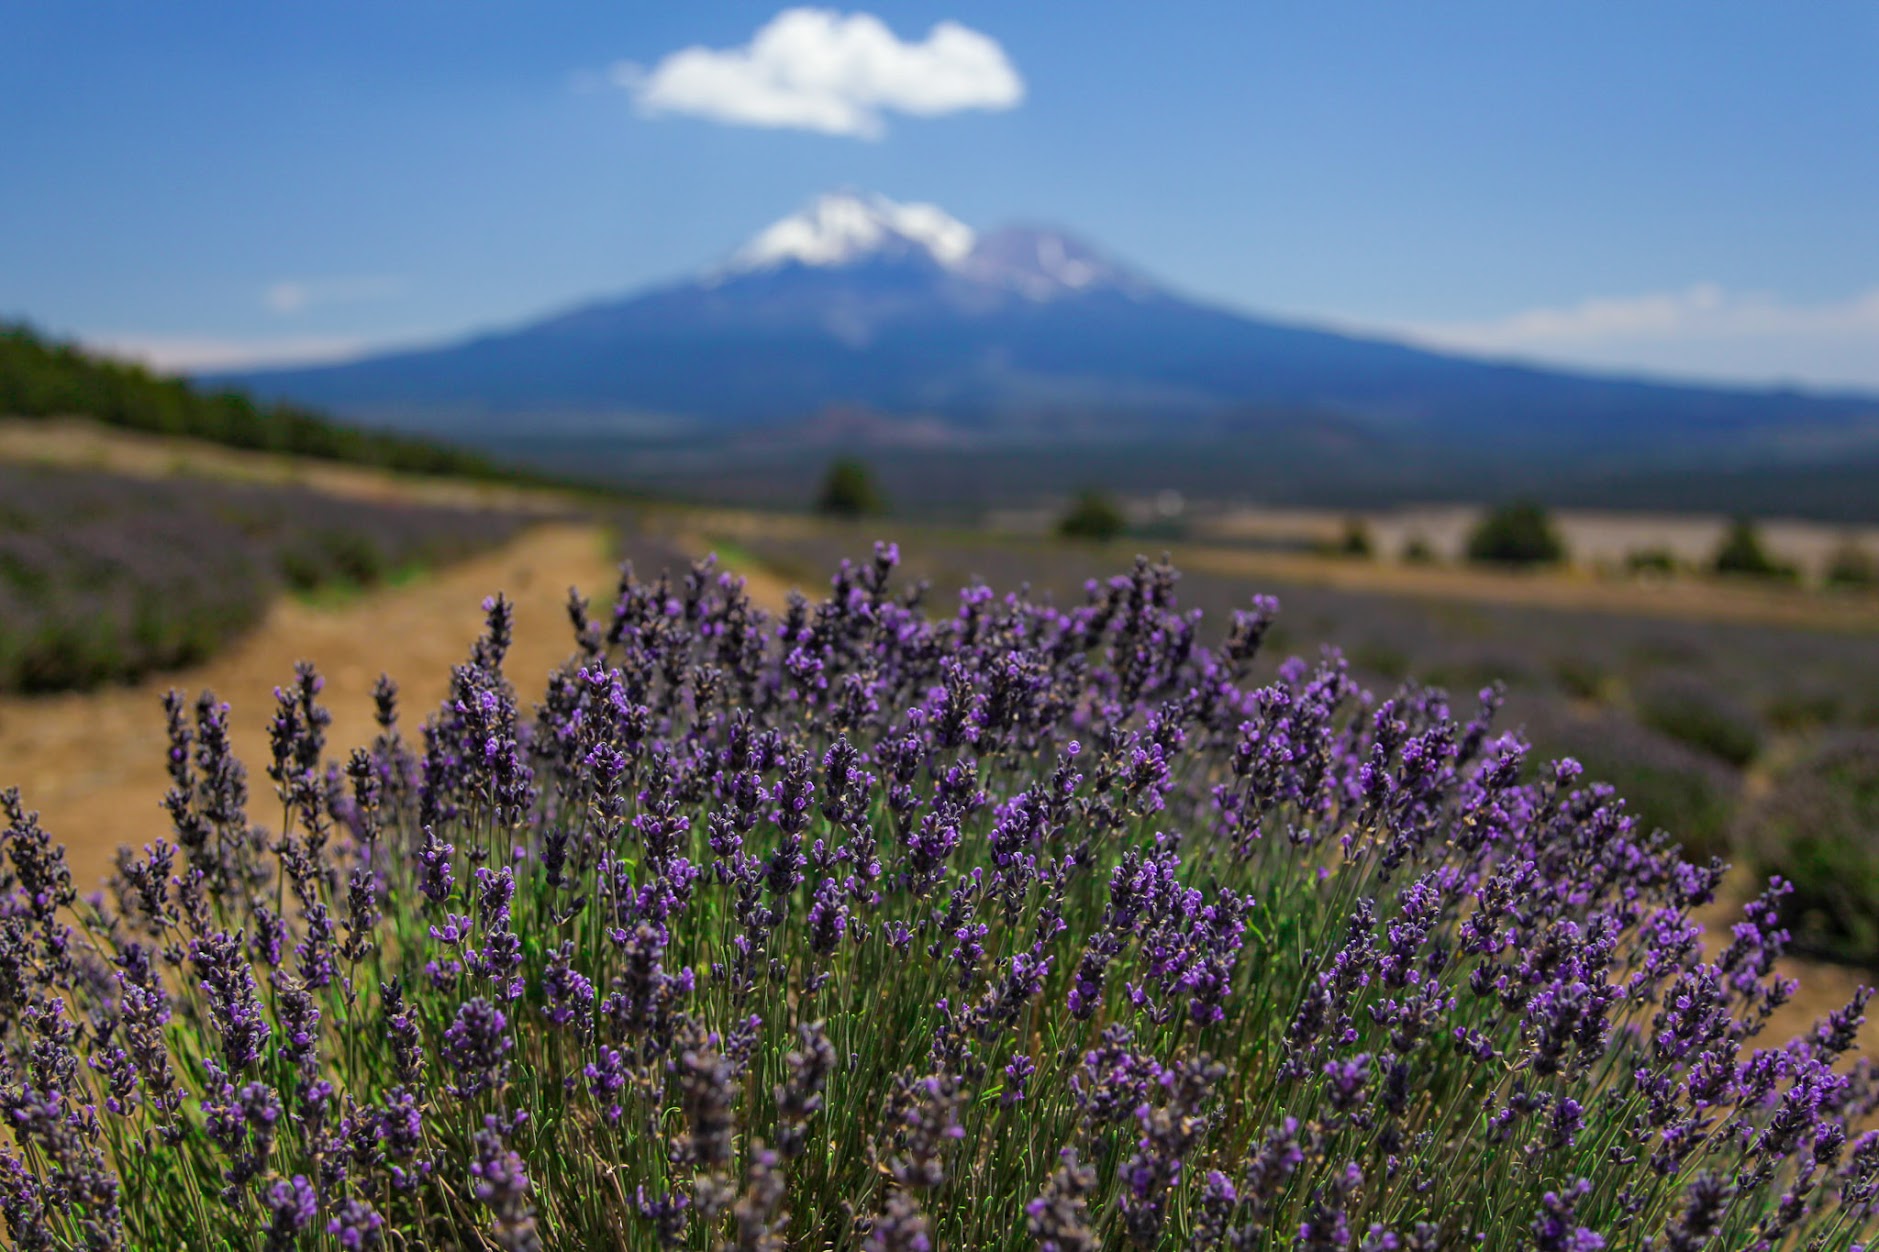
(841, 228)
(844, 229)
(1044, 265)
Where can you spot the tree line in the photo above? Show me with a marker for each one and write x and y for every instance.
(42, 378)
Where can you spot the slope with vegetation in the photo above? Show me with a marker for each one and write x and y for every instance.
(40, 377)
(105, 577)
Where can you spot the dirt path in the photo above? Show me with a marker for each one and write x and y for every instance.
(93, 763)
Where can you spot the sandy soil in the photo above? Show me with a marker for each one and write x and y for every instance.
(93, 763)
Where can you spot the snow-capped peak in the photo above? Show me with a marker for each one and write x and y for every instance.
(1042, 264)
(843, 227)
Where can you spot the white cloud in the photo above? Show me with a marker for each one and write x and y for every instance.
(294, 295)
(818, 70)
(201, 354)
(1700, 330)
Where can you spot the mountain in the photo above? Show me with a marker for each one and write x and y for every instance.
(862, 320)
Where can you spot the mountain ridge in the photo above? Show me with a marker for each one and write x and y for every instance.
(861, 305)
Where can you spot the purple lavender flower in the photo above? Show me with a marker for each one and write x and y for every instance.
(1059, 1219)
(292, 1206)
(234, 1000)
(606, 1079)
(501, 1184)
(356, 1226)
(1555, 1228)
(476, 1046)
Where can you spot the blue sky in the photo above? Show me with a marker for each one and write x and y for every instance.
(1673, 187)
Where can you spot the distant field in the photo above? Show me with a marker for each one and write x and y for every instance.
(104, 578)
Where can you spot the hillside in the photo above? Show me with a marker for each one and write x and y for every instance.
(42, 378)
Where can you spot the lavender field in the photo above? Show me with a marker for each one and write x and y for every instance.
(907, 921)
(1710, 729)
(105, 578)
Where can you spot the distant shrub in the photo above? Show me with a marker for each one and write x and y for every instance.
(1694, 713)
(1742, 553)
(848, 490)
(1093, 516)
(1354, 542)
(1417, 551)
(1852, 567)
(1819, 829)
(1651, 561)
(1517, 534)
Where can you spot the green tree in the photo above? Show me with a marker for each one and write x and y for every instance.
(1417, 551)
(848, 490)
(40, 377)
(1094, 516)
(1355, 541)
(1741, 552)
(1852, 566)
(1658, 560)
(1519, 533)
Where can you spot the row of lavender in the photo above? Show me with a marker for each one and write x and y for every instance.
(1679, 714)
(1007, 926)
(105, 578)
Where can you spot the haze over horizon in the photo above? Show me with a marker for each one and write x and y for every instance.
(1660, 192)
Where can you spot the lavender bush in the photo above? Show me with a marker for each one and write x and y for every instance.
(1615, 691)
(105, 578)
(1007, 927)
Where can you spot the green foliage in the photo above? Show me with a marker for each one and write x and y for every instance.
(1852, 567)
(1417, 551)
(1819, 829)
(1355, 541)
(1518, 534)
(42, 378)
(1093, 516)
(1579, 677)
(1703, 718)
(1802, 708)
(1651, 561)
(849, 491)
(1741, 552)
(346, 557)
